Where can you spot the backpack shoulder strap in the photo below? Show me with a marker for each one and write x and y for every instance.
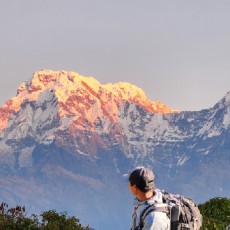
(157, 207)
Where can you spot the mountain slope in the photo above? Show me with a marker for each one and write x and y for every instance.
(66, 140)
(53, 105)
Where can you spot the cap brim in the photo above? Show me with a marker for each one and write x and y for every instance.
(125, 178)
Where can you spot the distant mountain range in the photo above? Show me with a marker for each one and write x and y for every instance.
(65, 141)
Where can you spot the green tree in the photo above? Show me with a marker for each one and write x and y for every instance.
(16, 219)
(51, 220)
(216, 214)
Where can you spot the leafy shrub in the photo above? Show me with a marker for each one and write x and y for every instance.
(216, 214)
(51, 220)
(16, 219)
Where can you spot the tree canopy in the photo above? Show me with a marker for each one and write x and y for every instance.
(15, 218)
(216, 214)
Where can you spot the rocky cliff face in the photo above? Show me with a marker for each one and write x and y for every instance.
(66, 139)
(72, 110)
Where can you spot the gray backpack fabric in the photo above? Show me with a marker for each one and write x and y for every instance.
(182, 211)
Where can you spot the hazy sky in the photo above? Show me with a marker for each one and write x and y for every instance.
(177, 51)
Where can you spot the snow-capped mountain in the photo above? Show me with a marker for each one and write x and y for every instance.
(63, 107)
(66, 139)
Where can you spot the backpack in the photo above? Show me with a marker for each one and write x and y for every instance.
(182, 211)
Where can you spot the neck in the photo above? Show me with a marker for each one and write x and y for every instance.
(142, 196)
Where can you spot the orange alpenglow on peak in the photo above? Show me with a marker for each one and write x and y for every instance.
(76, 93)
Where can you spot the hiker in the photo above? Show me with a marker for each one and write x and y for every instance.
(141, 185)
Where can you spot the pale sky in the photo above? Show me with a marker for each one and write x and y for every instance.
(177, 51)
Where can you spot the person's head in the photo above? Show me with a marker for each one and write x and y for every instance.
(141, 181)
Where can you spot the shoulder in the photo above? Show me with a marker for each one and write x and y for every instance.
(156, 198)
(156, 220)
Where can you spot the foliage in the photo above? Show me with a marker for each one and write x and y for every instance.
(52, 220)
(216, 214)
(16, 219)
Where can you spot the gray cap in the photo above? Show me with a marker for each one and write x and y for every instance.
(142, 177)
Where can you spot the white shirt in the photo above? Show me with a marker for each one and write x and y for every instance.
(154, 220)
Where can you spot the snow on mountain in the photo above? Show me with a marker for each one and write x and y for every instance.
(81, 114)
(72, 138)
(52, 104)
(219, 119)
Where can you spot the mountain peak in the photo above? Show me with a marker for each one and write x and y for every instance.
(66, 83)
(227, 98)
(69, 134)
(62, 82)
(78, 95)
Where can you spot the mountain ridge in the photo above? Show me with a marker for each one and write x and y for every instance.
(67, 139)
